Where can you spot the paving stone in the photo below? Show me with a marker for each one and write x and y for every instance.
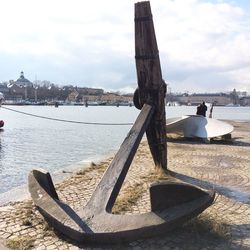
(73, 248)
(41, 248)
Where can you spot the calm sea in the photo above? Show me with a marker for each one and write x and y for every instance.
(28, 142)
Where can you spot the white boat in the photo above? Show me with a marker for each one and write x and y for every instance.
(232, 105)
(173, 104)
(198, 126)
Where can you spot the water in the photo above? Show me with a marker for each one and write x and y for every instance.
(27, 142)
(221, 113)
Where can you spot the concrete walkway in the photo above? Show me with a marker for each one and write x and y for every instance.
(223, 166)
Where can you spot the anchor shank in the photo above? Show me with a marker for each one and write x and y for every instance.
(107, 190)
(152, 88)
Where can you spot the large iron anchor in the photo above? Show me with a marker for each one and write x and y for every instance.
(171, 203)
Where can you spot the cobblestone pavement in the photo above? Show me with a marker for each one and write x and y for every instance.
(222, 166)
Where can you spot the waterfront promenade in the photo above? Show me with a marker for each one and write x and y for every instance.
(220, 165)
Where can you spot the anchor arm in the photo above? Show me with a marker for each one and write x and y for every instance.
(107, 190)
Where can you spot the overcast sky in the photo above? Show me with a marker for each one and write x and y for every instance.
(204, 45)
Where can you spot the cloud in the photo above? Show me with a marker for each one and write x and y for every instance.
(203, 44)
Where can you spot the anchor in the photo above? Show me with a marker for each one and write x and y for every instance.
(171, 203)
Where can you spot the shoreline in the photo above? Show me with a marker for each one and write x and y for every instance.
(21, 193)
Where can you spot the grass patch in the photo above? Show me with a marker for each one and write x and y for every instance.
(20, 243)
(27, 222)
(25, 212)
(29, 216)
(174, 136)
(205, 227)
(101, 167)
(157, 175)
(131, 194)
(129, 198)
(86, 170)
(48, 230)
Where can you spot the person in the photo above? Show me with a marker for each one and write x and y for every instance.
(203, 109)
(211, 110)
(198, 112)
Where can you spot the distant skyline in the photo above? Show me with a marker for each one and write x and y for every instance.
(204, 45)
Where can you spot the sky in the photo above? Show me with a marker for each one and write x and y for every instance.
(204, 45)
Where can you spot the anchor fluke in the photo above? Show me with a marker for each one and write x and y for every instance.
(169, 209)
(170, 194)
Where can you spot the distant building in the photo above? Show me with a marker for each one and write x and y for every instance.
(4, 88)
(90, 91)
(245, 101)
(22, 81)
(72, 97)
(110, 97)
(91, 98)
(17, 92)
(220, 99)
(128, 98)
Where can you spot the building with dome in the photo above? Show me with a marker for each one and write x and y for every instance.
(20, 89)
(22, 81)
